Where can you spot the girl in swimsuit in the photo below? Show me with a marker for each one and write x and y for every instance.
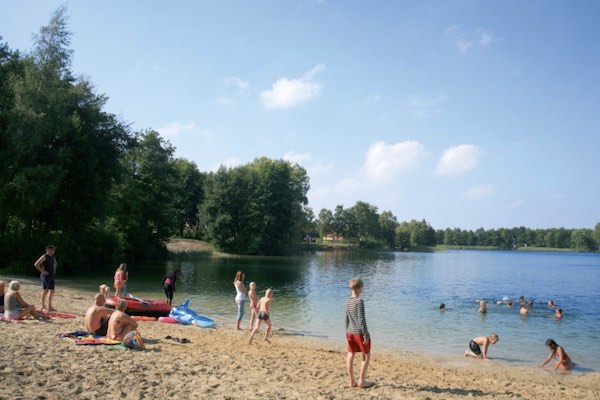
(253, 304)
(563, 361)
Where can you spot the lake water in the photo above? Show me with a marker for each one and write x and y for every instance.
(402, 294)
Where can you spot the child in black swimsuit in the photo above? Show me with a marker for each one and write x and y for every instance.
(475, 349)
(263, 306)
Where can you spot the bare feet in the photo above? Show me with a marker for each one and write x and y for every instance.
(353, 384)
(52, 309)
(366, 385)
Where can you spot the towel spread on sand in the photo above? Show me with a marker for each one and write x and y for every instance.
(86, 338)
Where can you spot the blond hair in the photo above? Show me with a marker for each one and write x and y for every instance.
(355, 283)
(121, 305)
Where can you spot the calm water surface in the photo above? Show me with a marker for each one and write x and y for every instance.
(402, 294)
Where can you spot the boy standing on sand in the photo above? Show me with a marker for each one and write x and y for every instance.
(263, 306)
(357, 334)
(475, 349)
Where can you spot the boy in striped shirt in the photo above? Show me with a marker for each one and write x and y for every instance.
(357, 334)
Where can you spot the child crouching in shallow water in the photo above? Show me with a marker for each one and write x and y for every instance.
(263, 306)
(475, 349)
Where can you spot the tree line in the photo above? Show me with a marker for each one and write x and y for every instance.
(361, 225)
(82, 179)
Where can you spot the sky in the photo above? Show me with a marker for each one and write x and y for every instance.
(465, 113)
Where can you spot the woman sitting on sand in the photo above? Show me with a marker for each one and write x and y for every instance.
(563, 361)
(12, 301)
(120, 324)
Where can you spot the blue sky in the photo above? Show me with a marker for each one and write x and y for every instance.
(464, 113)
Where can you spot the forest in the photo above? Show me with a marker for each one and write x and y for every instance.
(82, 179)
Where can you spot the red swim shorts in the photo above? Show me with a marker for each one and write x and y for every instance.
(356, 344)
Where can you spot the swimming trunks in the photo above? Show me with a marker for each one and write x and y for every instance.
(475, 347)
(47, 281)
(103, 327)
(264, 316)
(356, 343)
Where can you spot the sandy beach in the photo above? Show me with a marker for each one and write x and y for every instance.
(218, 364)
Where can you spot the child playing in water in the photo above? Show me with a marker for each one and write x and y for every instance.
(263, 306)
(475, 349)
(563, 361)
(357, 334)
(482, 307)
(253, 304)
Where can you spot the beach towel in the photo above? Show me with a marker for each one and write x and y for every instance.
(82, 338)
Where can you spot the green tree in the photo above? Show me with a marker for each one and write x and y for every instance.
(325, 221)
(366, 220)
(258, 208)
(388, 224)
(583, 240)
(61, 149)
(188, 196)
(144, 201)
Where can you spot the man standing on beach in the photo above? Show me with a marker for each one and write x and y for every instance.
(47, 264)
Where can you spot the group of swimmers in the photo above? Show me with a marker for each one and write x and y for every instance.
(478, 346)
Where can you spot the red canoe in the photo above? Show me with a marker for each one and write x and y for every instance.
(135, 306)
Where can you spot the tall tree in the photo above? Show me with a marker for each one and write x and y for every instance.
(144, 202)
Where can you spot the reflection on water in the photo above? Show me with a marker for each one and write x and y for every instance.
(402, 295)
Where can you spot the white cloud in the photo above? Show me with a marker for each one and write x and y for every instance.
(236, 81)
(383, 161)
(424, 107)
(306, 160)
(179, 129)
(487, 38)
(458, 159)
(297, 158)
(287, 93)
(240, 90)
(227, 101)
(465, 41)
(479, 192)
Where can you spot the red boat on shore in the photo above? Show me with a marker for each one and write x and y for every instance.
(136, 306)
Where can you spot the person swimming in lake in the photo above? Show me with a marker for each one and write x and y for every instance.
(482, 307)
(475, 345)
(524, 310)
(558, 314)
(563, 361)
(442, 307)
